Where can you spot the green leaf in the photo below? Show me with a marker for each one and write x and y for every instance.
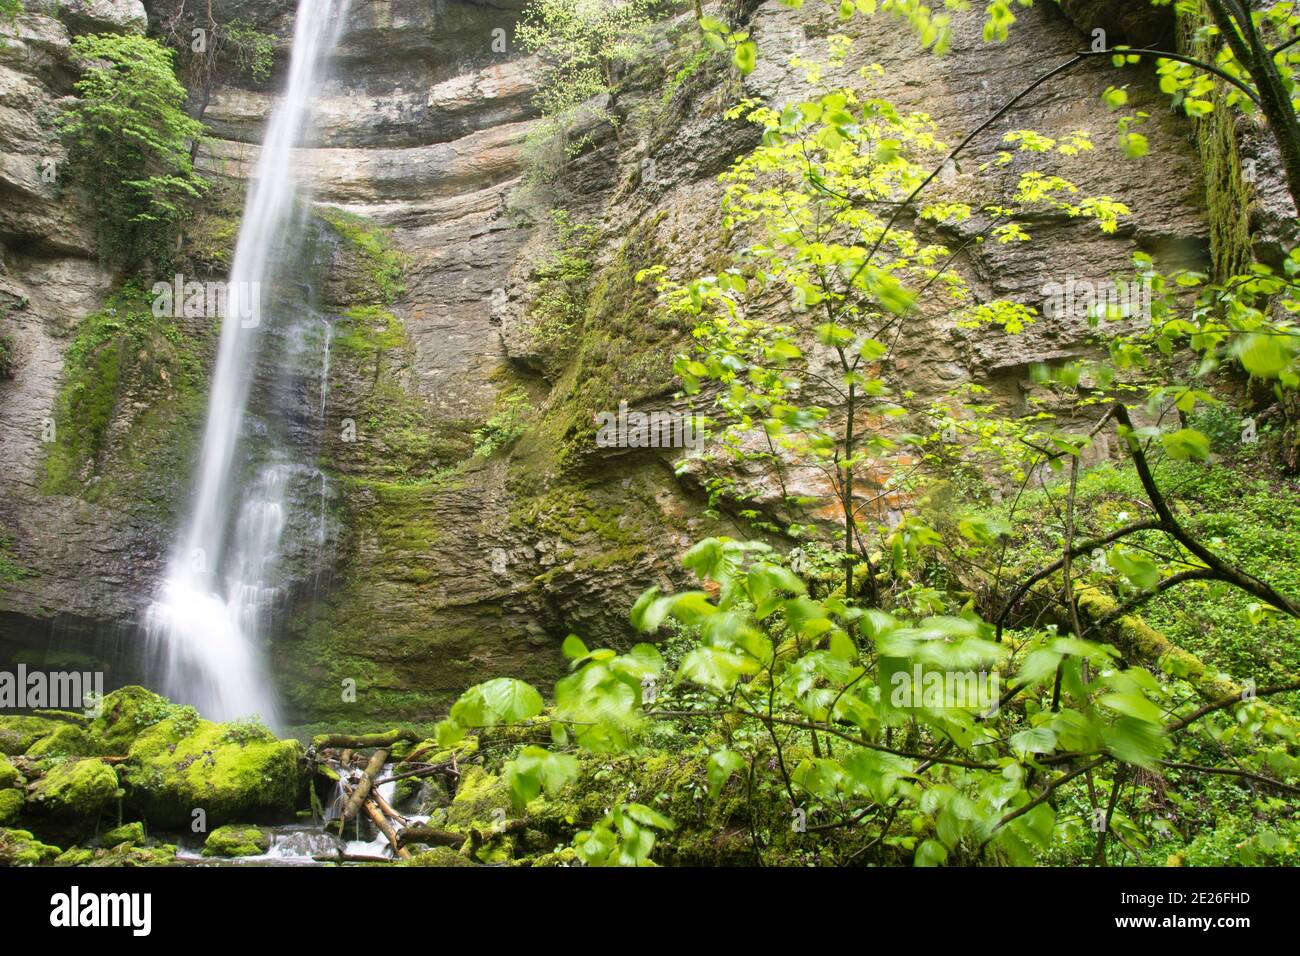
(573, 648)
(930, 853)
(1134, 705)
(721, 765)
(715, 668)
(648, 816)
(1036, 740)
(745, 57)
(1262, 354)
(503, 700)
(1186, 444)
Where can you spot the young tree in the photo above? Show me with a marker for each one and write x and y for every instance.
(579, 43)
(128, 140)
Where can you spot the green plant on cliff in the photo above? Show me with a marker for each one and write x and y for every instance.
(821, 199)
(129, 144)
(380, 267)
(581, 43)
(209, 50)
(563, 280)
(119, 351)
(9, 10)
(505, 424)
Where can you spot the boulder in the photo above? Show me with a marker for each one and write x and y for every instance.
(77, 789)
(65, 740)
(129, 833)
(126, 713)
(9, 775)
(20, 848)
(18, 733)
(11, 805)
(236, 840)
(103, 16)
(124, 854)
(179, 766)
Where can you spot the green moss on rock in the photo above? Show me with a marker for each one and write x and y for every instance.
(132, 833)
(438, 856)
(9, 775)
(78, 789)
(66, 740)
(11, 805)
(176, 768)
(17, 733)
(127, 414)
(77, 856)
(236, 840)
(481, 800)
(124, 854)
(377, 269)
(20, 848)
(126, 713)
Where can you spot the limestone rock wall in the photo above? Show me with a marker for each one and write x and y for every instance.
(449, 567)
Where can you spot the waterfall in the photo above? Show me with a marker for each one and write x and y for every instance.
(204, 629)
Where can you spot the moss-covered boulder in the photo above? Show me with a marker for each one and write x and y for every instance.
(65, 740)
(237, 840)
(77, 856)
(76, 789)
(130, 833)
(20, 848)
(230, 771)
(9, 775)
(11, 805)
(438, 856)
(19, 732)
(128, 712)
(481, 800)
(124, 854)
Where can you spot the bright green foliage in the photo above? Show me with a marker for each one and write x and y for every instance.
(818, 197)
(129, 143)
(563, 280)
(979, 705)
(579, 43)
(624, 837)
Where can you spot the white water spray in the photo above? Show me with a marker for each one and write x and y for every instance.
(204, 628)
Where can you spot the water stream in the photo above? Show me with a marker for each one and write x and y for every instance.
(205, 629)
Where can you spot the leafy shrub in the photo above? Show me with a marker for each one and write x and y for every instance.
(129, 140)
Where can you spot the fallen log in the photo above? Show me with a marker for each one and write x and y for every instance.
(431, 836)
(385, 806)
(362, 790)
(386, 829)
(364, 741)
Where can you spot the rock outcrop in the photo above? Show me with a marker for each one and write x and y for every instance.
(447, 566)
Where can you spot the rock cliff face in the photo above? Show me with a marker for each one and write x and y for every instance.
(446, 566)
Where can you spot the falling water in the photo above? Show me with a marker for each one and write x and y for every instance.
(204, 628)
